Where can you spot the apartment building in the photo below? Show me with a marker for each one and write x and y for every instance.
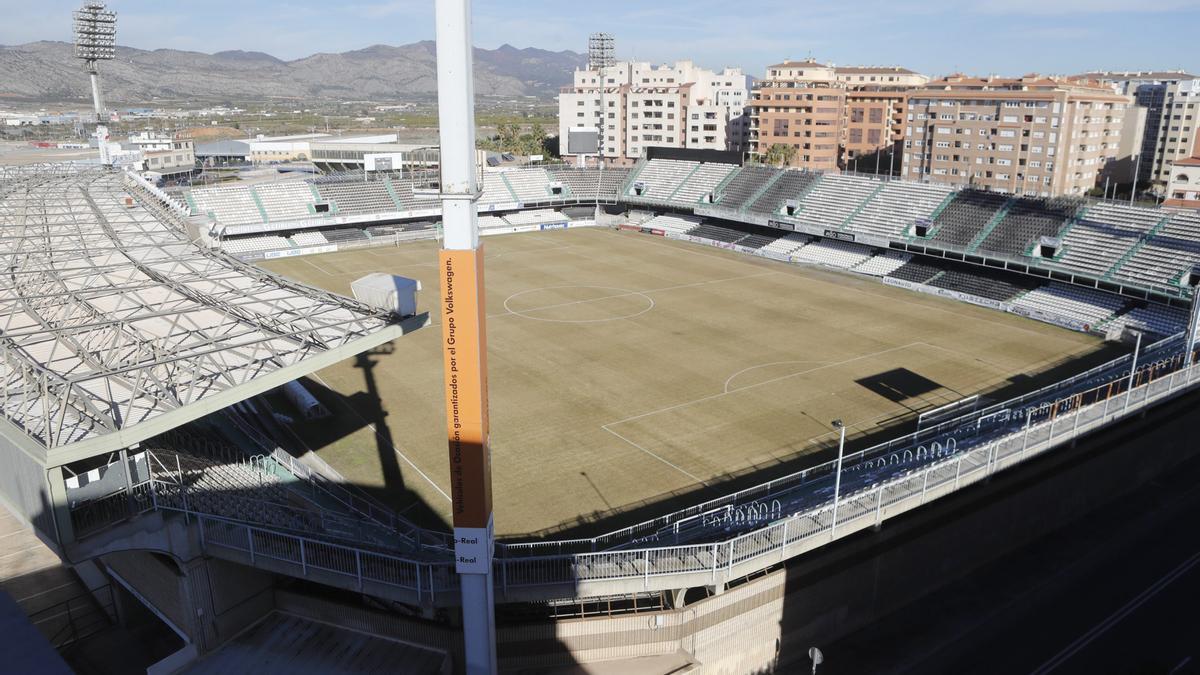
(1031, 135)
(1183, 188)
(1172, 128)
(830, 116)
(638, 105)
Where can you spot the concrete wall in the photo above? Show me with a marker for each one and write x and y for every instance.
(23, 486)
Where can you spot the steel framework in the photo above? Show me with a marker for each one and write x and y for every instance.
(111, 318)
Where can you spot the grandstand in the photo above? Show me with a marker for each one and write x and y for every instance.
(835, 199)
(572, 363)
(896, 207)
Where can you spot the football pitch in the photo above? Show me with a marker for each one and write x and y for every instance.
(630, 374)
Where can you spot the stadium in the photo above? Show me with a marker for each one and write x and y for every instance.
(704, 376)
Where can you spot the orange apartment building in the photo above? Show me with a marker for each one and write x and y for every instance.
(831, 116)
(1031, 135)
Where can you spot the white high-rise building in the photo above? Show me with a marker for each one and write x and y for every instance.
(1172, 103)
(637, 105)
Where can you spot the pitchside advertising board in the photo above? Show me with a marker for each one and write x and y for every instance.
(464, 352)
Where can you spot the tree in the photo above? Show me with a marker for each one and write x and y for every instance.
(779, 154)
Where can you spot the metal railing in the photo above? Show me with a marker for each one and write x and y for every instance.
(659, 568)
(929, 436)
(893, 483)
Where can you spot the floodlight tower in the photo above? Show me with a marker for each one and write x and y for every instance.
(601, 56)
(95, 41)
(601, 51)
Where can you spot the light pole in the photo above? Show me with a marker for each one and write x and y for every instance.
(1137, 169)
(837, 478)
(464, 342)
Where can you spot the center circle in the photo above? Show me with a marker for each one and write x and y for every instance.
(578, 304)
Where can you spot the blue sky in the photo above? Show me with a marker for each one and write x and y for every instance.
(1007, 37)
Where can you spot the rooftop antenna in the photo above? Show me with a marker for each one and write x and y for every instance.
(95, 41)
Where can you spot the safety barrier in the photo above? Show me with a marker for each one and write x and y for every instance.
(662, 568)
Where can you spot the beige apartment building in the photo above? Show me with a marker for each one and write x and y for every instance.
(1183, 189)
(638, 105)
(1172, 128)
(1030, 136)
(829, 115)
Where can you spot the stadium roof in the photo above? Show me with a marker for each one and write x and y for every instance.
(114, 327)
(223, 149)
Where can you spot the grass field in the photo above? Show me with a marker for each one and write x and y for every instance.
(628, 370)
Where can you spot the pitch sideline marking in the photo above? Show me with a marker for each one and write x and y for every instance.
(401, 455)
(605, 427)
(658, 457)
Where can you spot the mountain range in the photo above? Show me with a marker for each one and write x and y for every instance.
(48, 72)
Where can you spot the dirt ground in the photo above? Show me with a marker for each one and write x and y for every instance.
(630, 373)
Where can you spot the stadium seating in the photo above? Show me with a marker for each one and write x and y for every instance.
(672, 224)
(717, 233)
(897, 206)
(917, 270)
(662, 177)
(1171, 251)
(581, 184)
(537, 217)
(237, 245)
(981, 283)
(759, 238)
(833, 253)
(358, 198)
(965, 217)
(529, 185)
(409, 201)
(345, 235)
(1158, 319)
(495, 190)
(309, 239)
(788, 244)
(1103, 234)
(285, 200)
(492, 222)
(230, 204)
(611, 181)
(1026, 222)
(884, 264)
(702, 182)
(791, 185)
(738, 192)
(835, 199)
(1085, 305)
